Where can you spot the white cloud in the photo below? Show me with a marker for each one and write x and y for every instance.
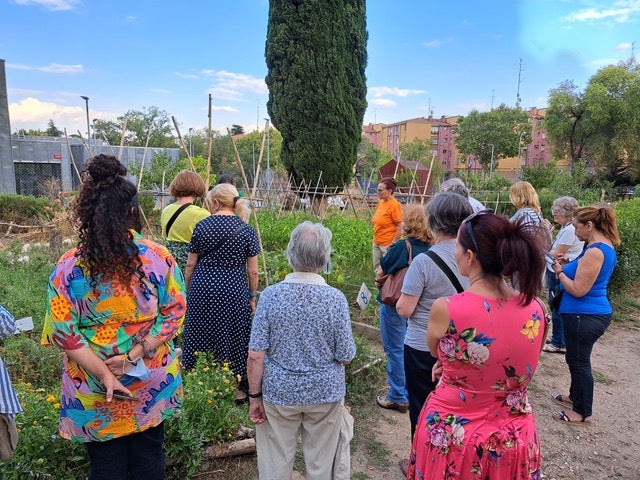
(393, 91)
(232, 85)
(130, 19)
(436, 43)
(52, 68)
(223, 108)
(225, 94)
(53, 5)
(383, 102)
(23, 91)
(188, 76)
(598, 63)
(31, 111)
(58, 68)
(621, 11)
(162, 91)
(623, 47)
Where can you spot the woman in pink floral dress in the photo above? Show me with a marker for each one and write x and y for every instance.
(478, 423)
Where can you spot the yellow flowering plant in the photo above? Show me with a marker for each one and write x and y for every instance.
(208, 415)
(41, 452)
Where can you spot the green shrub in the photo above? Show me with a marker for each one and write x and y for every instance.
(41, 452)
(208, 415)
(627, 271)
(25, 210)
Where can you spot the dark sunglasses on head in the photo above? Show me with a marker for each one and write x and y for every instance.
(467, 223)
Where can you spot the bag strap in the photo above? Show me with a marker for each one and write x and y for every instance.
(224, 240)
(174, 217)
(408, 243)
(447, 271)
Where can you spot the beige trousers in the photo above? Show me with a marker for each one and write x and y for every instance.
(326, 431)
(377, 252)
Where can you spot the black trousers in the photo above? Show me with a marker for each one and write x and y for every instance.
(417, 370)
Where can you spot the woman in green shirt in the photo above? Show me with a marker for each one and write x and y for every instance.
(179, 219)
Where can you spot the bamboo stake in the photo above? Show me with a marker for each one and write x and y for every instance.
(184, 147)
(424, 192)
(209, 142)
(84, 142)
(110, 147)
(367, 366)
(397, 164)
(144, 154)
(253, 210)
(413, 180)
(124, 131)
(257, 173)
(73, 162)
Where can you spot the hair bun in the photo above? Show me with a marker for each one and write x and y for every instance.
(104, 167)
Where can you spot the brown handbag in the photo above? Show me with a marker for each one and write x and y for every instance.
(392, 286)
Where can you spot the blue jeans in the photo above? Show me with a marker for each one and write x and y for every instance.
(138, 456)
(557, 333)
(581, 332)
(392, 328)
(417, 368)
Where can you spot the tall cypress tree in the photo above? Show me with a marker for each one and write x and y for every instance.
(316, 54)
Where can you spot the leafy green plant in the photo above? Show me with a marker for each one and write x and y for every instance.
(41, 452)
(208, 415)
(23, 209)
(627, 271)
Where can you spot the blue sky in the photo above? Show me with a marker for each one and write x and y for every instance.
(450, 56)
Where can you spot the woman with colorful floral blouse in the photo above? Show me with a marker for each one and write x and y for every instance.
(114, 304)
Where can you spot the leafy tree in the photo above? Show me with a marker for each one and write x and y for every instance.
(316, 56)
(237, 129)
(109, 130)
(563, 122)
(500, 127)
(416, 151)
(138, 122)
(52, 130)
(371, 159)
(31, 132)
(599, 127)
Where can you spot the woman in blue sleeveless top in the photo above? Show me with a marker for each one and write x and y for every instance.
(585, 307)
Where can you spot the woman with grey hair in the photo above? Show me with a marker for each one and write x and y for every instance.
(424, 282)
(566, 244)
(300, 341)
(456, 185)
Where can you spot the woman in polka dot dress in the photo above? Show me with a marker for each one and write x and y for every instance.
(222, 279)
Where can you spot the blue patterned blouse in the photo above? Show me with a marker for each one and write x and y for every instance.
(303, 326)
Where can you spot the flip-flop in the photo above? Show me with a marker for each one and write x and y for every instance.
(562, 417)
(560, 400)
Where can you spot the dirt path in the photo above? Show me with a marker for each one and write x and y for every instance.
(608, 449)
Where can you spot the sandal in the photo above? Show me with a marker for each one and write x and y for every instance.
(562, 401)
(562, 417)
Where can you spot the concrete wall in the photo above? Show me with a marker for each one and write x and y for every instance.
(7, 176)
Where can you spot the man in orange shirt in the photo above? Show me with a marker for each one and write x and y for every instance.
(387, 220)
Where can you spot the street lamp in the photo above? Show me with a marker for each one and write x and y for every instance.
(190, 143)
(491, 165)
(519, 166)
(86, 102)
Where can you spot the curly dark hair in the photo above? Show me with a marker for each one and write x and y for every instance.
(105, 210)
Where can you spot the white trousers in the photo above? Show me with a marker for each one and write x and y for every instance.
(326, 431)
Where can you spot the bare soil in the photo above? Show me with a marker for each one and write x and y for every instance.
(610, 448)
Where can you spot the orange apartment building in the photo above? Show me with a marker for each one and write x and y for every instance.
(439, 133)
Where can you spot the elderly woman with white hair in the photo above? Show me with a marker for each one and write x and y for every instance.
(300, 342)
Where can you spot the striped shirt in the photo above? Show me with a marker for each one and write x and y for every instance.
(9, 403)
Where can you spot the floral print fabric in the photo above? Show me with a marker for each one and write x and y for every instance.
(478, 423)
(107, 318)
